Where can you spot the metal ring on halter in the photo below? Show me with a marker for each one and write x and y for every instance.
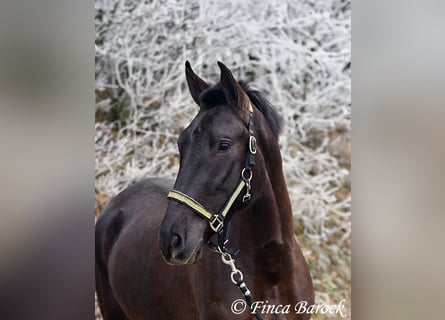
(246, 179)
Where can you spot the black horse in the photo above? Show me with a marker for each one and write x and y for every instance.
(230, 172)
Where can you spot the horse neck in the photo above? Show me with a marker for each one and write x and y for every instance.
(269, 218)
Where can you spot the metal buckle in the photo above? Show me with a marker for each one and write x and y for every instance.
(246, 197)
(216, 223)
(252, 144)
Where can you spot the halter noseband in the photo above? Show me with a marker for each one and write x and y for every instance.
(219, 222)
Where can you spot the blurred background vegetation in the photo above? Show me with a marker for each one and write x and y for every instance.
(297, 52)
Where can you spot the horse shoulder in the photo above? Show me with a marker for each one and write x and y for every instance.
(143, 199)
(127, 240)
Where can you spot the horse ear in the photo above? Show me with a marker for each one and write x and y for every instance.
(196, 84)
(232, 90)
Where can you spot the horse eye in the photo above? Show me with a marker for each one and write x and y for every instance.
(224, 145)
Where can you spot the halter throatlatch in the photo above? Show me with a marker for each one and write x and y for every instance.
(219, 222)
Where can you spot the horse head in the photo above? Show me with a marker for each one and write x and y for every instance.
(213, 151)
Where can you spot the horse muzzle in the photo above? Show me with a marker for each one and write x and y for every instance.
(181, 236)
(177, 251)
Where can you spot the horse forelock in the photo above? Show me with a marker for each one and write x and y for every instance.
(214, 96)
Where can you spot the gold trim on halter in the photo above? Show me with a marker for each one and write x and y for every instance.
(192, 203)
(216, 220)
(232, 199)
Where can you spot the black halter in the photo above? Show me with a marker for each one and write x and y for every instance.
(219, 222)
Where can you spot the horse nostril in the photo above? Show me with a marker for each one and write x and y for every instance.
(176, 244)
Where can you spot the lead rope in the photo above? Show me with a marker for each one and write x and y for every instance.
(238, 279)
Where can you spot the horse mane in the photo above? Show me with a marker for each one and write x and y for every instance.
(215, 96)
